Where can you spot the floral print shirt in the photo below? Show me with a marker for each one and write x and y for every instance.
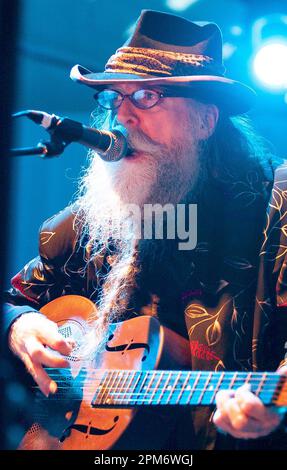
(232, 296)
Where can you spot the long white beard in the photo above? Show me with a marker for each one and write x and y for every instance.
(161, 175)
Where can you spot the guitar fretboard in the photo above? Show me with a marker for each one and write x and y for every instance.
(136, 388)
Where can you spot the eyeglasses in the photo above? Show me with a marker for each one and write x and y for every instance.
(143, 99)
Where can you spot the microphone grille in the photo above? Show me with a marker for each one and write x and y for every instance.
(117, 149)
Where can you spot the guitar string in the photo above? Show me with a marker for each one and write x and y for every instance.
(271, 380)
(267, 388)
(133, 401)
(121, 372)
(166, 390)
(103, 380)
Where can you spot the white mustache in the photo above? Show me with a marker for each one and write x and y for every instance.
(138, 141)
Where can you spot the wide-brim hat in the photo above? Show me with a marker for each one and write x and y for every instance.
(167, 50)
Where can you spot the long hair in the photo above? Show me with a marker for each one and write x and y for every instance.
(237, 151)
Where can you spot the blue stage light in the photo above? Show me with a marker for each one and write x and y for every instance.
(180, 5)
(269, 62)
(270, 65)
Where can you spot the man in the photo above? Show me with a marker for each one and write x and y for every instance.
(166, 89)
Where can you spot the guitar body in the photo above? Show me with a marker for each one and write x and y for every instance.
(71, 421)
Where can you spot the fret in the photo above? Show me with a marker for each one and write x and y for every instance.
(148, 387)
(217, 388)
(98, 396)
(201, 388)
(248, 380)
(152, 389)
(128, 387)
(141, 388)
(104, 388)
(180, 398)
(116, 391)
(227, 381)
(162, 391)
(193, 388)
(175, 391)
(166, 390)
(132, 397)
(109, 389)
(233, 380)
(240, 379)
(185, 396)
(261, 383)
(156, 387)
(200, 398)
(171, 387)
(211, 387)
(143, 400)
(267, 388)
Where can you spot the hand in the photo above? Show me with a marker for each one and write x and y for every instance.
(27, 339)
(243, 415)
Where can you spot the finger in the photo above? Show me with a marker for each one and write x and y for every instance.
(222, 422)
(52, 338)
(246, 425)
(282, 370)
(224, 425)
(230, 410)
(252, 406)
(42, 379)
(41, 355)
(238, 419)
(222, 396)
(46, 384)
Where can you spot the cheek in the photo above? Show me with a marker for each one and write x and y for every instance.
(165, 124)
(160, 130)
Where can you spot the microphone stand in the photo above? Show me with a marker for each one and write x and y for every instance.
(44, 149)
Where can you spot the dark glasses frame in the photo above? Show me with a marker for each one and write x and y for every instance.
(165, 92)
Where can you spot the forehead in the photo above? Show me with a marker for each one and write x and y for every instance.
(131, 87)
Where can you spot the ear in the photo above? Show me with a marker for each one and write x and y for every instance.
(209, 121)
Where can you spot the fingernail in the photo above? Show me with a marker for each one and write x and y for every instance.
(52, 387)
(243, 388)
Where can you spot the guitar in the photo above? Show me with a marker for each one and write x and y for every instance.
(97, 399)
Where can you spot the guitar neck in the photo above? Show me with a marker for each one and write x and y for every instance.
(136, 388)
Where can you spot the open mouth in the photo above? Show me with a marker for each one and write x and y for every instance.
(130, 152)
(134, 153)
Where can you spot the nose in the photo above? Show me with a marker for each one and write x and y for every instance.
(127, 114)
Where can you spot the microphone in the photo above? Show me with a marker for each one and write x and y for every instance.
(111, 145)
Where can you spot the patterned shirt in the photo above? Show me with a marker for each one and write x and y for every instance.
(228, 295)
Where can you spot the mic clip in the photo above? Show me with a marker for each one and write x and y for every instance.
(45, 149)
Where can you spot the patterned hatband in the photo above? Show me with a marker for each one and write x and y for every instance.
(144, 61)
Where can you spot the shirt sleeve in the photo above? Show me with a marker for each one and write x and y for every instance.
(43, 278)
(273, 266)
